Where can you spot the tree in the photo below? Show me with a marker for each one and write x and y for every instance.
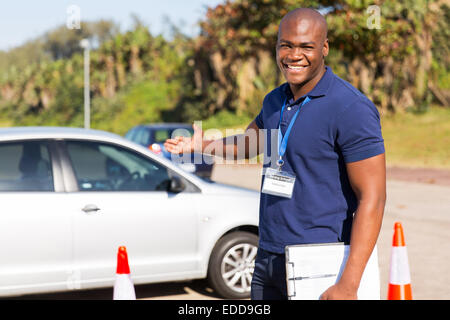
(62, 43)
(390, 64)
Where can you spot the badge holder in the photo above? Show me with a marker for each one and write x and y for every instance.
(278, 182)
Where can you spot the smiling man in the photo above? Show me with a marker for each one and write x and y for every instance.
(326, 178)
(301, 47)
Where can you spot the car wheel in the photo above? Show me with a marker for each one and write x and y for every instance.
(231, 265)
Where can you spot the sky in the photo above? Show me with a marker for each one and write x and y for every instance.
(23, 20)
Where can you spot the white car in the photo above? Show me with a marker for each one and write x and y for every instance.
(70, 197)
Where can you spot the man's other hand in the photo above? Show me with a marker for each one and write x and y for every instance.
(339, 292)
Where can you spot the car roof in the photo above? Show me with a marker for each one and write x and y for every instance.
(15, 133)
(29, 133)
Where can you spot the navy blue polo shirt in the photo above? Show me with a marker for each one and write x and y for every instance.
(338, 125)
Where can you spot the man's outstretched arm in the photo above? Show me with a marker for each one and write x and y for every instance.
(240, 146)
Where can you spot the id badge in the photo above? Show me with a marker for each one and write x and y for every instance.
(278, 183)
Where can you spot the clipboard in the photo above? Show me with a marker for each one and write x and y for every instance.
(313, 268)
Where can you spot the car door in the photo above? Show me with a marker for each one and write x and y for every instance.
(35, 227)
(122, 199)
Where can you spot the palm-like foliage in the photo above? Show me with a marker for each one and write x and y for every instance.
(228, 67)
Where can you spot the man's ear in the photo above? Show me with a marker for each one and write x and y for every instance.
(325, 48)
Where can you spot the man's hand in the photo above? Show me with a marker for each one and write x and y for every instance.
(181, 144)
(339, 292)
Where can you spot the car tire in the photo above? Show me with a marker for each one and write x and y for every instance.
(231, 265)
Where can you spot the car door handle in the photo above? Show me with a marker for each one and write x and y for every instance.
(90, 208)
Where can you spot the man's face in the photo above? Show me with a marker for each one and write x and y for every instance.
(301, 46)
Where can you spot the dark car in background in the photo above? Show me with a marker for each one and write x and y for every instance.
(153, 137)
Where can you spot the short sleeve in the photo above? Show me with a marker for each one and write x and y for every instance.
(359, 131)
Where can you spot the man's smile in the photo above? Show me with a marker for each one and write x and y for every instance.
(292, 67)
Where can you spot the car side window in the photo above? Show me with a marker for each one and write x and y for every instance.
(107, 167)
(25, 166)
(130, 134)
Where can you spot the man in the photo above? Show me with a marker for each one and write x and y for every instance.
(334, 149)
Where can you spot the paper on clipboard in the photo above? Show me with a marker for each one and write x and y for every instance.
(311, 269)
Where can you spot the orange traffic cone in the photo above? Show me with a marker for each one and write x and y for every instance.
(399, 277)
(123, 286)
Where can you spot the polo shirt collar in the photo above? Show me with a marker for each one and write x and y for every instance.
(319, 90)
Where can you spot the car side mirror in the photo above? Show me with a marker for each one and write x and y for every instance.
(176, 185)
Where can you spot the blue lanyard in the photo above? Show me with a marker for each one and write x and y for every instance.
(282, 140)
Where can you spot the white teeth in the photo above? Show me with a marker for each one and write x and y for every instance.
(296, 67)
